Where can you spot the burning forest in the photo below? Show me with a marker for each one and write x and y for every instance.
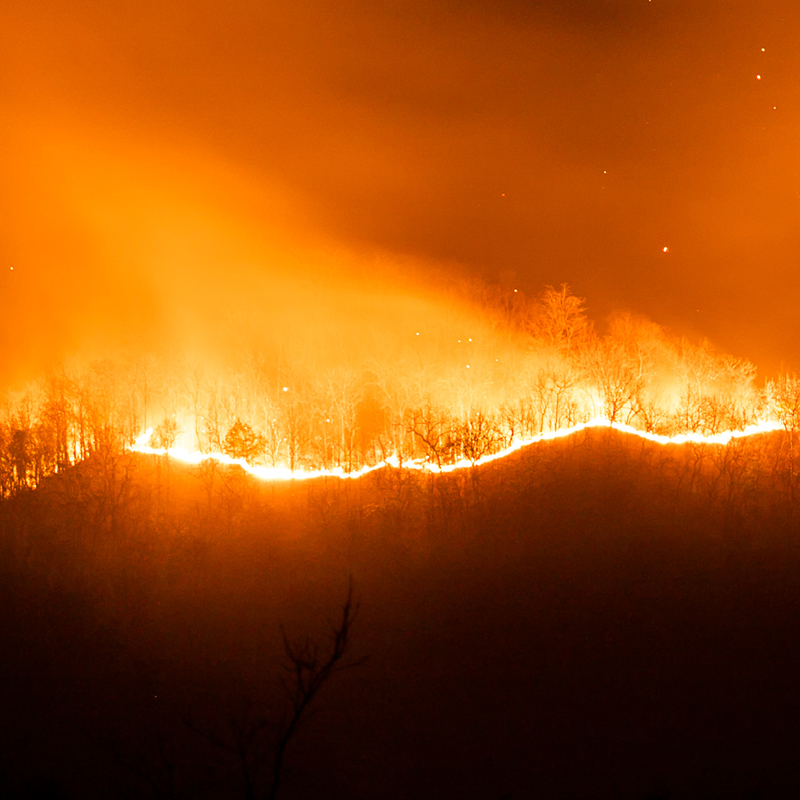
(499, 371)
(379, 413)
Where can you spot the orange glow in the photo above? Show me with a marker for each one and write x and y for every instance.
(284, 473)
(318, 398)
(332, 227)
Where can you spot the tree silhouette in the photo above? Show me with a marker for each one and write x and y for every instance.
(308, 666)
(241, 441)
(166, 434)
(562, 321)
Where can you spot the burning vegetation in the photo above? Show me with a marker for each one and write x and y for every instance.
(141, 596)
(492, 371)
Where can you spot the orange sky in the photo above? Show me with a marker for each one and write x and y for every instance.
(159, 159)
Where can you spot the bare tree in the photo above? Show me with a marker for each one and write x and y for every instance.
(295, 423)
(166, 433)
(562, 321)
(783, 400)
(400, 386)
(477, 435)
(553, 396)
(617, 377)
(338, 394)
(308, 666)
(432, 427)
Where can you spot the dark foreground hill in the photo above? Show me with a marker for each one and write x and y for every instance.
(593, 617)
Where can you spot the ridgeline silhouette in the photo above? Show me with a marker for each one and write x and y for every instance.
(598, 615)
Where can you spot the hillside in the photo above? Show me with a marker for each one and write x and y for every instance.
(591, 617)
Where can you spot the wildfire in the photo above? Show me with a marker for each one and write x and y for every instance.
(265, 473)
(475, 386)
(284, 473)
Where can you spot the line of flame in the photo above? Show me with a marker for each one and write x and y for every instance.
(284, 473)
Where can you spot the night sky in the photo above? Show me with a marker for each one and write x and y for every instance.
(156, 159)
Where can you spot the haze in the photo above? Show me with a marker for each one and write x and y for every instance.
(166, 167)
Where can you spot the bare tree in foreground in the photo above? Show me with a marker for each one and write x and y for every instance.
(308, 666)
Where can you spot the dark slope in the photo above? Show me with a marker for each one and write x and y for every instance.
(594, 617)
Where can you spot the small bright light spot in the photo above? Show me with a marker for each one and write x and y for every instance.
(605, 172)
(470, 340)
(467, 366)
(417, 333)
(515, 290)
(327, 420)
(665, 249)
(758, 77)
(285, 388)
(762, 49)
(459, 341)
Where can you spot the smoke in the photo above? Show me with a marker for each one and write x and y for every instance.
(168, 168)
(132, 246)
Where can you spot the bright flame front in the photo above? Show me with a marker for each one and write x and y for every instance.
(284, 473)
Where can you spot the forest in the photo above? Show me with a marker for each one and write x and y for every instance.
(593, 616)
(494, 369)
